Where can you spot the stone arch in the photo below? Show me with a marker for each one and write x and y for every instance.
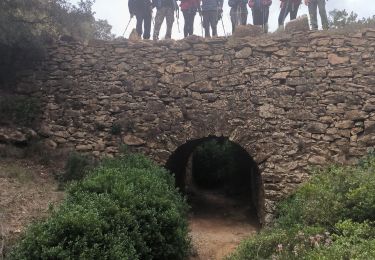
(178, 162)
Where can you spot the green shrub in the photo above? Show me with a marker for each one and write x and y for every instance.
(127, 208)
(332, 195)
(19, 110)
(352, 241)
(330, 217)
(76, 167)
(95, 228)
(280, 243)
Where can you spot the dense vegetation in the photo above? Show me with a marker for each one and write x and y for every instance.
(221, 164)
(126, 208)
(330, 217)
(19, 109)
(27, 25)
(213, 163)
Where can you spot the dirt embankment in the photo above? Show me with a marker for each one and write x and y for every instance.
(27, 190)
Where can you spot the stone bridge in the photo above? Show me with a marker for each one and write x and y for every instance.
(290, 100)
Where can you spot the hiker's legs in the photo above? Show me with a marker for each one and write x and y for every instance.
(191, 22)
(265, 15)
(206, 24)
(233, 18)
(213, 21)
(257, 16)
(323, 13)
(294, 11)
(159, 18)
(187, 23)
(313, 5)
(284, 11)
(138, 28)
(169, 16)
(147, 26)
(243, 14)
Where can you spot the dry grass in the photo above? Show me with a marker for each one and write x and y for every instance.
(26, 190)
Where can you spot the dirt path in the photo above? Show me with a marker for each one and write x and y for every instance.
(218, 224)
(26, 191)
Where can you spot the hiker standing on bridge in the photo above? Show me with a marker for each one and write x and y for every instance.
(189, 9)
(288, 7)
(260, 10)
(164, 9)
(142, 10)
(313, 6)
(212, 11)
(238, 13)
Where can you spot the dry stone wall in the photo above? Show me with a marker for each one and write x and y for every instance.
(291, 100)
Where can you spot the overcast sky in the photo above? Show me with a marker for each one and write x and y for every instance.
(117, 14)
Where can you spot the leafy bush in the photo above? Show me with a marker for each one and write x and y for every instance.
(127, 208)
(76, 167)
(333, 194)
(27, 26)
(330, 217)
(19, 110)
(280, 243)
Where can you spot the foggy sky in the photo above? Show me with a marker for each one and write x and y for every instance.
(117, 14)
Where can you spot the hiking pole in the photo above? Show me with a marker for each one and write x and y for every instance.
(131, 17)
(222, 23)
(178, 16)
(238, 16)
(263, 25)
(201, 24)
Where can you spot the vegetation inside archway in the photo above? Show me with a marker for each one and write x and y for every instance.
(218, 176)
(221, 164)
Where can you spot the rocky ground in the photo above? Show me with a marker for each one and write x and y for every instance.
(27, 190)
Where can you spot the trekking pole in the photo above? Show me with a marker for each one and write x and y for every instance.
(178, 16)
(263, 25)
(201, 24)
(222, 23)
(238, 18)
(131, 17)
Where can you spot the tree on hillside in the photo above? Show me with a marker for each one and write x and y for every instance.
(26, 26)
(341, 19)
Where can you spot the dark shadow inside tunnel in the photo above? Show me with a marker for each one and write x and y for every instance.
(218, 176)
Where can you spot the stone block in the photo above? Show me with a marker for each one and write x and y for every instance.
(334, 59)
(341, 73)
(249, 30)
(132, 140)
(301, 24)
(244, 53)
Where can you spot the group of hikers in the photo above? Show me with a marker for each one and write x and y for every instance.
(211, 12)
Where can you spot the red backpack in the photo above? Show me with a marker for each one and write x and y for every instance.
(189, 4)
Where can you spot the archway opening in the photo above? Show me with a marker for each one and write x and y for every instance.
(219, 178)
